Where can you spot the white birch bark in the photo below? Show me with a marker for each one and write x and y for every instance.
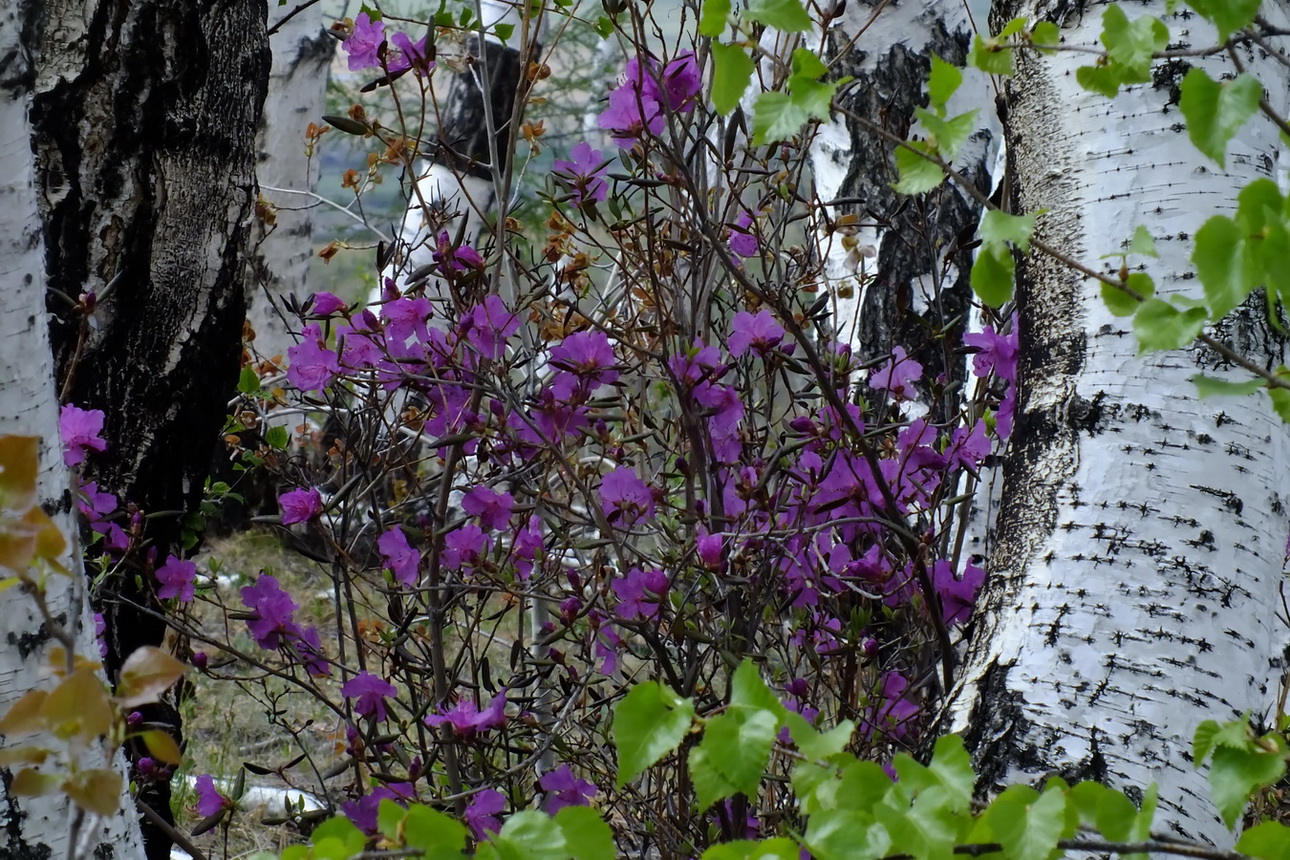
(37, 827)
(1135, 579)
(297, 94)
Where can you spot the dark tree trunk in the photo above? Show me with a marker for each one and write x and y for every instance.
(144, 124)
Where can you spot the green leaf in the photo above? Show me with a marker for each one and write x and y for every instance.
(1142, 243)
(437, 834)
(1227, 15)
(649, 723)
(748, 690)
(1209, 386)
(712, 20)
(780, 848)
(738, 744)
(1121, 303)
(1160, 325)
(710, 783)
(343, 831)
(1104, 80)
(604, 26)
(1045, 33)
(585, 833)
(1224, 264)
(917, 174)
(1235, 774)
(1131, 44)
(942, 83)
(815, 744)
(1280, 403)
(1269, 841)
(863, 786)
(732, 69)
(1203, 742)
(787, 15)
(990, 57)
(1216, 111)
(277, 437)
(1108, 810)
(999, 226)
(1028, 824)
(531, 835)
(503, 32)
(247, 381)
(389, 815)
(776, 117)
(841, 834)
(927, 828)
(992, 274)
(951, 771)
(947, 135)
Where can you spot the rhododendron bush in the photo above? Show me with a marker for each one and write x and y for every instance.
(536, 470)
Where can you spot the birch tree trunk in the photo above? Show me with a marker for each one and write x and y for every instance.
(144, 126)
(1135, 580)
(297, 95)
(37, 827)
(918, 277)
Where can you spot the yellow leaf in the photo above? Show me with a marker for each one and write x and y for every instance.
(162, 747)
(50, 542)
(23, 755)
(58, 662)
(24, 715)
(19, 462)
(33, 783)
(146, 674)
(79, 706)
(97, 791)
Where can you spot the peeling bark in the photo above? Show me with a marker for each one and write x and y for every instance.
(1140, 545)
(144, 128)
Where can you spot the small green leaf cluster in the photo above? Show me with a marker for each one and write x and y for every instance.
(776, 115)
(848, 809)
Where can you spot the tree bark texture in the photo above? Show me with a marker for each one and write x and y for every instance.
(144, 129)
(297, 94)
(919, 279)
(1136, 576)
(36, 828)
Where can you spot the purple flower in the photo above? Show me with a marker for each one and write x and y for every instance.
(958, 596)
(708, 548)
(371, 692)
(994, 352)
(624, 496)
(402, 560)
(564, 789)
(466, 719)
(897, 375)
(456, 260)
(895, 712)
(325, 304)
(492, 508)
(760, 333)
(682, 82)
(406, 54)
(743, 241)
(637, 105)
(631, 113)
(176, 577)
(587, 359)
(697, 364)
(585, 174)
(526, 546)
(80, 429)
(465, 546)
(300, 505)
(637, 592)
(274, 611)
(481, 813)
(100, 627)
(312, 365)
(306, 646)
(489, 325)
(209, 799)
(363, 812)
(363, 44)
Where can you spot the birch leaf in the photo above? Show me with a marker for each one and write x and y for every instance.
(1216, 111)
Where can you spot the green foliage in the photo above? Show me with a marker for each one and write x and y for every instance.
(650, 722)
(713, 18)
(1129, 47)
(1240, 763)
(993, 272)
(732, 69)
(787, 15)
(1216, 111)
(781, 115)
(1227, 15)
